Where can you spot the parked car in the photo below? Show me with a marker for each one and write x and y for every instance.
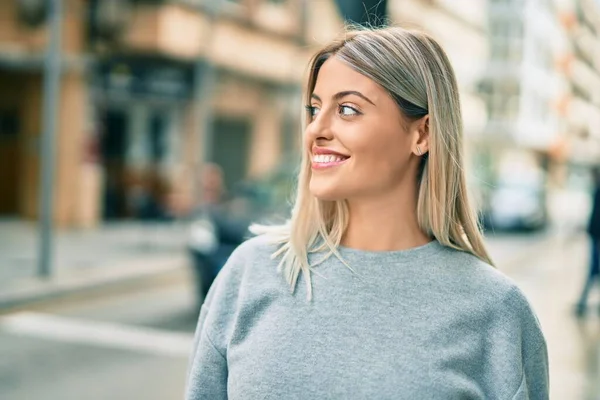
(517, 205)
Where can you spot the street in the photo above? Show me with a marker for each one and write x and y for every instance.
(552, 281)
(135, 345)
(132, 346)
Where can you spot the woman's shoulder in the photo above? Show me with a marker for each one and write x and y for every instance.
(479, 277)
(255, 249)
(489, 289)
(248, 259)
(248, 269)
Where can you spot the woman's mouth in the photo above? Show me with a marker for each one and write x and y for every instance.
(321, 161)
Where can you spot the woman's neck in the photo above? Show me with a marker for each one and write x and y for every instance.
(384, 224)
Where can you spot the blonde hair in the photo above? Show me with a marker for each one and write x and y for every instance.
(416, 72)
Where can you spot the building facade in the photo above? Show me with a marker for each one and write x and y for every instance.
(526, 133)
(581, 67)
(133, 104)
(133, 123)
(461, 27)
(529, 82)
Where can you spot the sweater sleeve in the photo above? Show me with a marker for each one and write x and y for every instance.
(521, 356)
(207, 370)
(535, 383)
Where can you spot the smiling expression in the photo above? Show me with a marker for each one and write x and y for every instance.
(358, 142)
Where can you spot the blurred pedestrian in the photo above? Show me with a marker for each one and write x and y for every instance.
(212, 182)
(214, 234)
(390, 290)
(593, 230)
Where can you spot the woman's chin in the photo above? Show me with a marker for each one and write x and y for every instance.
(325, 193)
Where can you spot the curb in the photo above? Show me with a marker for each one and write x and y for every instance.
(96, 281)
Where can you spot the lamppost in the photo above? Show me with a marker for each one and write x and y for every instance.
(205, 76)
(51, 94)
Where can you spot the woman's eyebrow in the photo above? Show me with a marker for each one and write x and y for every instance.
(350, 92)
(345, 93)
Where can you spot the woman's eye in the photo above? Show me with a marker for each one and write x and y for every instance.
(312, 111)
(348, 111)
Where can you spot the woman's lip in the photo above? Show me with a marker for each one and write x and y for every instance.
(329, 164)
(321, 150)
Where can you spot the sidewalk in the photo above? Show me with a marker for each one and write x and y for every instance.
(511, 250)
(552, 281)
(132, 253)
(116, 253)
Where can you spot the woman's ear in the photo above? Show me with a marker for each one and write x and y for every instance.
(421, 142)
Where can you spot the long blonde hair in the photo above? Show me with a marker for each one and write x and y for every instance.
(416, 72)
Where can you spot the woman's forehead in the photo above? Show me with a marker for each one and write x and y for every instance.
(336, 76)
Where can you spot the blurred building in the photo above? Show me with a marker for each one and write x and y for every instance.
(523, 86)
(461, 26)
(581, 67)
(129, 132)
(528, 76)
(524, 148)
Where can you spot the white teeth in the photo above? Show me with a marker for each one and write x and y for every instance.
(327, 158)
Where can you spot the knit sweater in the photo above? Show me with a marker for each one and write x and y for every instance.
(425, 323)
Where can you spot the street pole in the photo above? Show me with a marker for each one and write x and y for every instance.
(51, 93)
(294, 91)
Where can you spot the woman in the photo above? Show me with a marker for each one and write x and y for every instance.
(392, 291)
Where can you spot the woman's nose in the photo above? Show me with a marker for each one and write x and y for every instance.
(319, 128)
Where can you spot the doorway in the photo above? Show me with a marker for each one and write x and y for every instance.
(113, 151)
(230, 148)
(10, 154)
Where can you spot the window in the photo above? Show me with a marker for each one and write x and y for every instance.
(157, 140)
(9, 123)
(500, 49)
(515, 51)
(513, 106)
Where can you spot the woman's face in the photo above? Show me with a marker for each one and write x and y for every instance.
(360, 145)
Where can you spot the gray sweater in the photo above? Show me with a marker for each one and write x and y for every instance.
(425, 323)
